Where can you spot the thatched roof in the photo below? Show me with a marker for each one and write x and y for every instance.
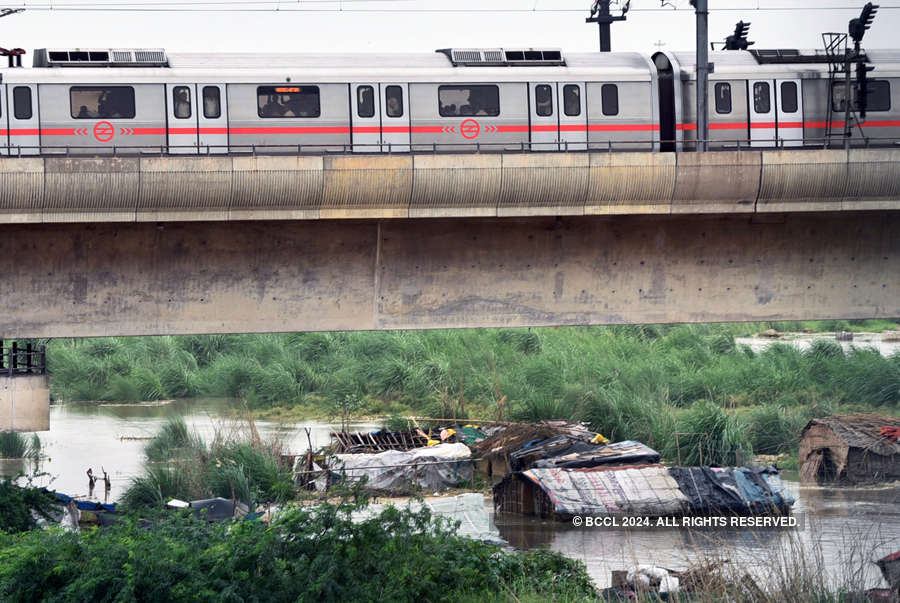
(861, 430)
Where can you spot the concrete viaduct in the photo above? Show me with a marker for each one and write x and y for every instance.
(167, 245)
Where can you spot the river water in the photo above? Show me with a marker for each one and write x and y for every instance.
(839, 524)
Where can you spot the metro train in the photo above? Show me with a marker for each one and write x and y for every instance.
(100, 101)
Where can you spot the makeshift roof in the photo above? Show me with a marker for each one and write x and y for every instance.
(861, 430)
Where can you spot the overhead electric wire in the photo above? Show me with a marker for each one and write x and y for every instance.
(279, 6)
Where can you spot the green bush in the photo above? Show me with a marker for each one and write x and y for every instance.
(305, 555)
(19, 508)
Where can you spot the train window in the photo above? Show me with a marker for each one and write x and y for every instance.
(789, 97)
(723, 97)
(91, 102)
(181, 102)
(878, 96)
(762, 102)
(461, 101)
(572, 100)
(393, 101)
(609, 99)
(288, 101)
(543, 100)
(365, 101)
(22, 102)
(212, 102)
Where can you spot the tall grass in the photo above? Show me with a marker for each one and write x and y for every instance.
(235, 463)
(630, 381)
(14, 445)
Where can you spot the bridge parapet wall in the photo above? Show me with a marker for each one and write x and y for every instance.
(153, 189)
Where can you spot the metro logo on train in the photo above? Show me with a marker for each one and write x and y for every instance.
(535, 100)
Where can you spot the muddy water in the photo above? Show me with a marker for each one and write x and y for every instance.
(803, 341)
(844, 529)
(840, 522)
(113, 437)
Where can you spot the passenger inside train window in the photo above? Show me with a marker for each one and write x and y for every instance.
(92, 102)
(212, 105)
(394, 98)
(288, 101)
(365, 102)
(572, 100)
(181, 102)
(461, 101)
(543, 100)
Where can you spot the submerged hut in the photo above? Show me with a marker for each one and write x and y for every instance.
(643, 490)
(854, 448)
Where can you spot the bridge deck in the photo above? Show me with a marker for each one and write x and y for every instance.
(153, 188)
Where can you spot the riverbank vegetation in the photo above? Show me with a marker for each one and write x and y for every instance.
(235, 464)
(312, 554)
(14, 445)
(687, 390)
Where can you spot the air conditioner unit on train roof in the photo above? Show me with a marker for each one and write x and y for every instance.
(100, 57)
(503, 57)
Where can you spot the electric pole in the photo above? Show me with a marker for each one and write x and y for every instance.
(702, 12)
(603, 18)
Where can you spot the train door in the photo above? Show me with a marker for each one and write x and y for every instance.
(572, 117)
(762, 113)
(544, 117)
(181, 118)
(365, 118)
(4, 133)
(212, 116)
(24, 120)
(790, 112)
(394, 118)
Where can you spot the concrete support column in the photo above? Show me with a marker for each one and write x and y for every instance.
(24, 403)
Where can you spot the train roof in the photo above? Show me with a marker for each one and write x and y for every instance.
(777, 63)
(436, 67)
(361, 67)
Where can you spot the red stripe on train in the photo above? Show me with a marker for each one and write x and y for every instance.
(292, 130)
(623, 127)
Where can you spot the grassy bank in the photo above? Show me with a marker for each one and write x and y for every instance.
(685, 389)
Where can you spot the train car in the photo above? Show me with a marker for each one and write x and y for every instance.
(97, 101)
(101, 101)
(774, 98)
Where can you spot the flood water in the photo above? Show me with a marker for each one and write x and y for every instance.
(802, 341)
(839, 522)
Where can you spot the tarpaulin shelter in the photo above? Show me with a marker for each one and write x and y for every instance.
(643, 490)
(853, 448)
(440, 466)
(583, 455)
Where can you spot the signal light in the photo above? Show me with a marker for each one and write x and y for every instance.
(862, 88)
(858, 26)
(738, 40)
